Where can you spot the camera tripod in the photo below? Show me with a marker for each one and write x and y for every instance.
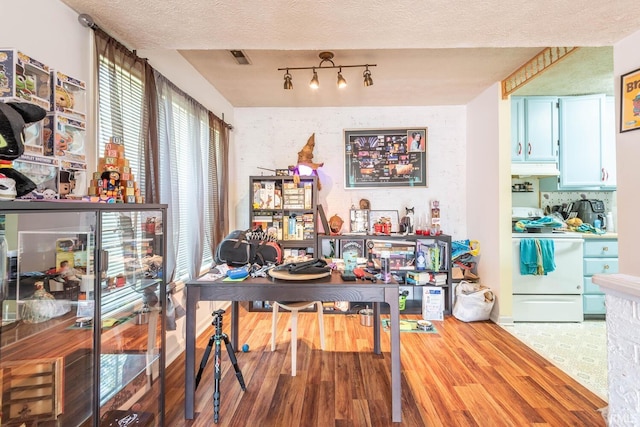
(216, 337)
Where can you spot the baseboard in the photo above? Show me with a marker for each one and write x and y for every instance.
(505, 321)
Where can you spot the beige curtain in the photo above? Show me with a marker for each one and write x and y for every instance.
(219, 178)
(120, 58)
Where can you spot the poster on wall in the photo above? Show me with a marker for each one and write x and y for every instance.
(376, 158)
(630, 101)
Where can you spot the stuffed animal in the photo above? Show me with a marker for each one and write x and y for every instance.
(14, 116)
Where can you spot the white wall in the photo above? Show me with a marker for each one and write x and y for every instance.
(271, 138)
(180, 72)
(488, 194)
(65, 46)
(626, 58)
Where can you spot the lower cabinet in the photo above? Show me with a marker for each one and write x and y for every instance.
(600, 257)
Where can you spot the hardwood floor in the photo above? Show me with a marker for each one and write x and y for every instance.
(468, 374)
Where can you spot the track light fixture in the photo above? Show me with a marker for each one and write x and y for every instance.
(342, 83)
(368, 81)
(326, 58)
(287, 81)
(314, 83)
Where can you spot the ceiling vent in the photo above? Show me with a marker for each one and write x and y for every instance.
(240, 57)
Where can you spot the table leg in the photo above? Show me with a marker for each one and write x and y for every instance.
(234, 324)
(376, 328)
(391, 297)
(193, 295)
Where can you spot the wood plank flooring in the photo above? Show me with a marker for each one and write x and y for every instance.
(468, 374)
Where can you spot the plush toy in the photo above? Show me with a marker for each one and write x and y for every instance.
(306, 165)
(14, 116)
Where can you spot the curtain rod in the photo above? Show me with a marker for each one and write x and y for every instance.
(88, 22)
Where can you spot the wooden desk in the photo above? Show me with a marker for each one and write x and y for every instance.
(331, 288)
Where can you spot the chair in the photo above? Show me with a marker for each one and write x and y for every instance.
(294, 308)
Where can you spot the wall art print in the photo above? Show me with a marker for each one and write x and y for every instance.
(377, 158)
(630, 101)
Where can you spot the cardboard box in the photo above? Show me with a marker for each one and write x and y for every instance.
(64, 137)
(23, 78)
(43, 171)
(68, 96)
(432, 303)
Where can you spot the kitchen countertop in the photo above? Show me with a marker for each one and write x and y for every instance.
(599, 236)
(565, 235)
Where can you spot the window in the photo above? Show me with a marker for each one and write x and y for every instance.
(185, 149)
(120, 112)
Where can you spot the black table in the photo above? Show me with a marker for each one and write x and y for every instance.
(330, 288)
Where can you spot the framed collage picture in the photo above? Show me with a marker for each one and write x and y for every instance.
(375, 158)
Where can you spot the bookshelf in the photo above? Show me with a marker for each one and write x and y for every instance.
(286, 210)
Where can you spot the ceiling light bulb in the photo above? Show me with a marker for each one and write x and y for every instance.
(342, 83)
(314, 84)
(287, 81)
(368, 81)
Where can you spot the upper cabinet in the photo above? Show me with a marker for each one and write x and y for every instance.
(534, 129)
(587, 142)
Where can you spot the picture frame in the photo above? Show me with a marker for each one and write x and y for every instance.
(374, 216)
(630, 101)
(394, 157)
(323, 220)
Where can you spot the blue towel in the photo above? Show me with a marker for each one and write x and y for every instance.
(537, 256)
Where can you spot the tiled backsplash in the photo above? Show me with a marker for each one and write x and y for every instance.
(560, 197)
(543, 199)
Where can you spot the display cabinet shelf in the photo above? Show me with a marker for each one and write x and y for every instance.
(107, 336)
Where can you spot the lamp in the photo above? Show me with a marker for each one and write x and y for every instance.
(326, 58)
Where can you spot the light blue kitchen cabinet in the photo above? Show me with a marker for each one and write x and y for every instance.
(517, 129)
(587, 159)
(608, 150)
(534, 129)
(581, 136)
(600, 257)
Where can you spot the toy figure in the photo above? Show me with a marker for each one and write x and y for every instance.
(63, 142)
(306, 165)
(66, 184)
(335, 224)
(64, 98)
(14, 116)
(111, 185)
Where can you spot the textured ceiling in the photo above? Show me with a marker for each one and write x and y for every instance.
(428, 53)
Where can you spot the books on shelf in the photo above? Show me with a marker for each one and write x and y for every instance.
(296, 197)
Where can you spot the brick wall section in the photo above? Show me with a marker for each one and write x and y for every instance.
(623, 336)
(271, 138)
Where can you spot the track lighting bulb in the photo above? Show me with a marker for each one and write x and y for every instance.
(288, 84)
(314, 84)
(342, 83)
(368, 81)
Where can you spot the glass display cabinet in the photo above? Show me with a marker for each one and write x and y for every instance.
(82, 298)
